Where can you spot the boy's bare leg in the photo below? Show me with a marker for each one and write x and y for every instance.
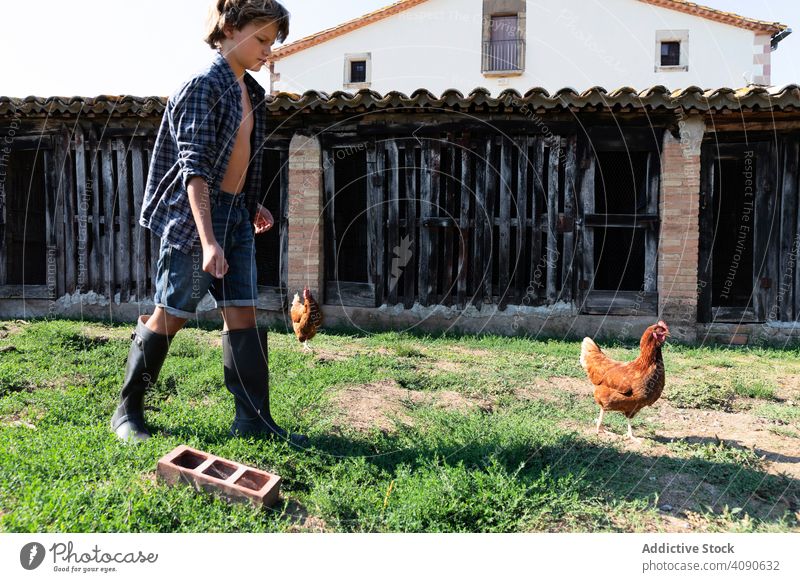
(238, 318)
(163, 323)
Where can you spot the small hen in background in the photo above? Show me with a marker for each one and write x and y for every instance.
(627, 387)
(306, 317)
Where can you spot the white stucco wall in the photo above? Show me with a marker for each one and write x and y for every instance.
(570, 43)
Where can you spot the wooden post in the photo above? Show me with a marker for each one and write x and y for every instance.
(410, 272)
(69, 218)
(154, 242)
(568, 270)
(425, 246)
(539, 191)
(435, 211)
(651, 236)
(586, 197)
(375, 202)
(521, 279)
(96, 256)
(788, 291)
(393, 227)
(482, 223)
(491, 178)
(708, 179)
(110, 200)
(60, 168)
(465, 232)
(122, 256)
(552, 221)
(139, 256)
(82, 283)
(767, 225)
(504, 228)
(50, 197)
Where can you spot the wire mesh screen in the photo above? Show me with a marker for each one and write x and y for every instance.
(619, 259)
(350, 228)
(620, 183)
(25, 232)
(268, 244)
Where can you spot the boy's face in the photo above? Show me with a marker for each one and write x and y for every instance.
(252, 45)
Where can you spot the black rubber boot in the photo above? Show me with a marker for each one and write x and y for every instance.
(244, 353)
(145, 358)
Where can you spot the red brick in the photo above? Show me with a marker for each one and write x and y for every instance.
(228, 479)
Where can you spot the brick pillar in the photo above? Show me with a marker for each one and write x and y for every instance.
(680, 227)
(306, 228)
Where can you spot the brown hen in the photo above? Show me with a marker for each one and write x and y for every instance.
(306, 317)
(627, 387)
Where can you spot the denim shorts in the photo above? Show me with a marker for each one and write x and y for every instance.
(181, 282)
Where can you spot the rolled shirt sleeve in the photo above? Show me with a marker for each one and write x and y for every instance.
(195, 130)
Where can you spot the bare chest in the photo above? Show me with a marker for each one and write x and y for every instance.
(246, 123)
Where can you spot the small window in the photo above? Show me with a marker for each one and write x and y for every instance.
(672, 50)
(670, 54)
(358, 71)
(504, 47)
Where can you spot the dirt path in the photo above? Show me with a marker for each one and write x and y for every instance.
(383, 404)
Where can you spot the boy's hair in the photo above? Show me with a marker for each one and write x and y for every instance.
(240, 13)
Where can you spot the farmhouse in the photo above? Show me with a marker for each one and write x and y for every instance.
(516, 44)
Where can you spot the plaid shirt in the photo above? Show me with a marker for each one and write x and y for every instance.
(196, 138)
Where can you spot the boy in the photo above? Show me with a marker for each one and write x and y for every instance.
(202, 200)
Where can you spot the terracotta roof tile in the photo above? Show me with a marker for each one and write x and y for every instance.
(106, 105)
(344, 28)
(656, 97)
(719, 15)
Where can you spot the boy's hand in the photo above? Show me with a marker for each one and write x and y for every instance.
(263, 221)
(214, 261)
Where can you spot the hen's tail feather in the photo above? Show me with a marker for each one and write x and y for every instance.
(587, 347)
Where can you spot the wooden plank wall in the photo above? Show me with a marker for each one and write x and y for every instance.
(469, 207)
(454, 218)
(94, 191)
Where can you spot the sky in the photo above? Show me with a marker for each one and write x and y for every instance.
(147, 47)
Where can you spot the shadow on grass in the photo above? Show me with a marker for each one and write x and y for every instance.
(598, 472)
(730, 443)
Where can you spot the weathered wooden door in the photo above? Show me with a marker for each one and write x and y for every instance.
(619, 182)
(739, 232)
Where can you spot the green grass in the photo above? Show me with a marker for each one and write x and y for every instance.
(750, 387)
(520, 466)
(715, 395)
(789, 415)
